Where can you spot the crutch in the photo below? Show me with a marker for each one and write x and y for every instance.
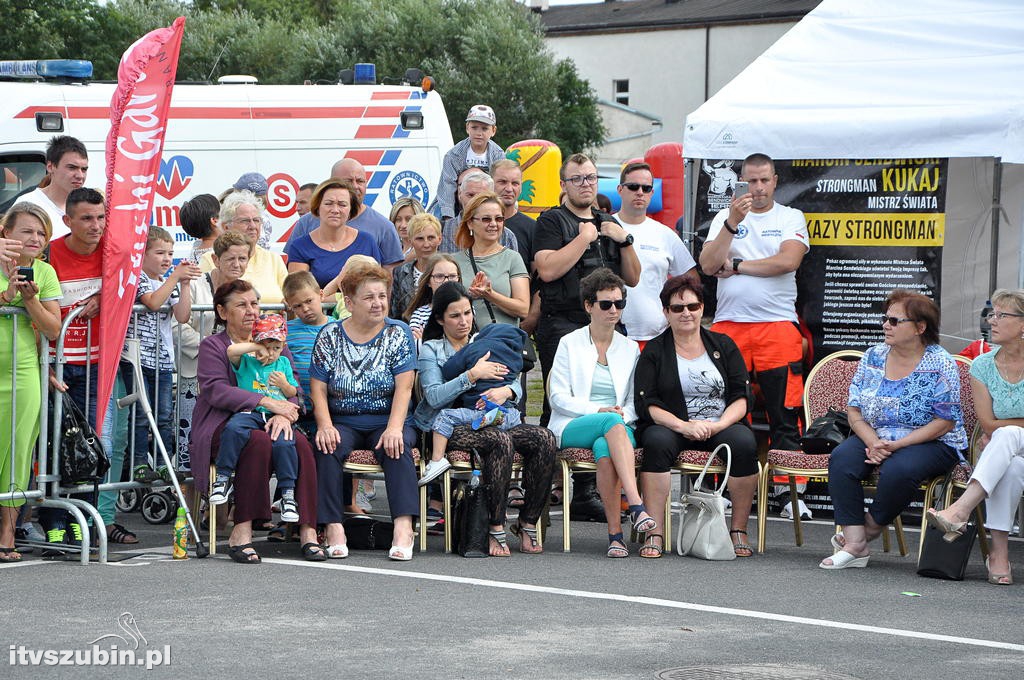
(138, 395)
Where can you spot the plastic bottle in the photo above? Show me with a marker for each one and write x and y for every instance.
(474, 481)
(180, 548)
(984, 326)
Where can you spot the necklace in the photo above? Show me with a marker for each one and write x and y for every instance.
(1006, 372)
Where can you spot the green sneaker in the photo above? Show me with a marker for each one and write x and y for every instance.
(145, 474)
(54, 536)
(76, 532)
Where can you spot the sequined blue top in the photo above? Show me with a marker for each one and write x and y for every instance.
(360, 377)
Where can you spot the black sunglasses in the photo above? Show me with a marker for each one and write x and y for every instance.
(607, 304)
(633, 186)
(893, 320)
(692, 306)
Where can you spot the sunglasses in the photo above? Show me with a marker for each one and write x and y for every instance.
(634, 186)
(607, 304)
(893, 320)
(692, 306)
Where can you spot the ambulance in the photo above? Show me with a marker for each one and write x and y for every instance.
(291, 134)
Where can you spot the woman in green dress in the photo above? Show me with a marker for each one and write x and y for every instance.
(39, 295)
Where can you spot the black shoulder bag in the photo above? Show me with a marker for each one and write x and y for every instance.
(825, 433)
(529, 354)
(939, 558)
(82, 458)
(471, 523)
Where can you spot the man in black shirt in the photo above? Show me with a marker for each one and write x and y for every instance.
(571, 241)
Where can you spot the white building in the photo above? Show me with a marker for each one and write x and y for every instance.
(652, 62)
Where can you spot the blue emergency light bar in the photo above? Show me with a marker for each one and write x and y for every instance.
(76, 69)
(365, 74)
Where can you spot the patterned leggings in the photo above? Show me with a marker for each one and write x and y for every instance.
(535, 444)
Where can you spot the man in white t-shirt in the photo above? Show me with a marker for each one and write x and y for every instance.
(754, 248)
(67, 163)
(661, 253)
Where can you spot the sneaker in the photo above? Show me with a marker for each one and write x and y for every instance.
(164, 474)
(362, 501)
(435, 522)
(787, 510)
(221, 490)
(54, 536)
(145, 474)
(21, 534)
(369, 489)
(289, 509)
(32, 532)
(434, 469)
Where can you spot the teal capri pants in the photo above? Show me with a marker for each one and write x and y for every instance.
(587, 432)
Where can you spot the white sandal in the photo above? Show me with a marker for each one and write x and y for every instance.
(401, 553)
(337, 552)
(845, 560)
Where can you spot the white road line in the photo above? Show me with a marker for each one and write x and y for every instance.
(24, 563)
(657, 602)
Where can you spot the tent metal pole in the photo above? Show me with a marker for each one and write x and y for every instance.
(997, 181)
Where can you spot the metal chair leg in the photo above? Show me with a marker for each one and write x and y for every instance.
(566, 541)
(794, 508)
(213, 511)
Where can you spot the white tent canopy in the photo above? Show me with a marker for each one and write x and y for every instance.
(878, 79)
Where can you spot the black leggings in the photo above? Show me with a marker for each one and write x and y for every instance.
(662, 446)
(535, 444)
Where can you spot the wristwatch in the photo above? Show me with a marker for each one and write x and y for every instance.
(736, 264)
(731, 230)
(627, 242)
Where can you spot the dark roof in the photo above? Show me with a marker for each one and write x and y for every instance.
(621, 15)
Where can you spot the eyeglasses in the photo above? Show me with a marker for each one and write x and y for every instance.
(999, 316)
(490, 220)
(893, 320)
(444, 277)
(250, 220)
(580, 180)
(607, 304)
(634, 186)
(692, 306)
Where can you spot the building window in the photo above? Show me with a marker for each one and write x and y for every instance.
(620, 92)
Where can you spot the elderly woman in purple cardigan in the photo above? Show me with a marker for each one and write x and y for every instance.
(237, 306)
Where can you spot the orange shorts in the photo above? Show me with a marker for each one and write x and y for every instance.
(769, 345)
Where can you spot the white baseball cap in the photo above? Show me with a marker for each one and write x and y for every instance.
(482, 113)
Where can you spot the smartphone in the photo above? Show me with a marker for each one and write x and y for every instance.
(740, 189)
(26, 273)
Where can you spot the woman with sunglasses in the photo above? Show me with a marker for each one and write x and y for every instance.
(997, 381)
(498, 280)
(590, 388)
(692, 391)
(904, 411)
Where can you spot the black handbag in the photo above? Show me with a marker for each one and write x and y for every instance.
(471, 522)
(825, 433)
(940, 559)
(368, 534)
(82, 458)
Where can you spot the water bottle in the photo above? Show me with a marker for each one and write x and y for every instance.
(474, 481)
(180, 548)
(985, 326)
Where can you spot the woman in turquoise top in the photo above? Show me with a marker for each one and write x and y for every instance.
(997, 382)
(40, 298)
(591, 393)
(904, 410)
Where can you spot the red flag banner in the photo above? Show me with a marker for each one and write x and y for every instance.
(138, 121)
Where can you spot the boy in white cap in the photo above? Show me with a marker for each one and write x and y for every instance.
(475, 151)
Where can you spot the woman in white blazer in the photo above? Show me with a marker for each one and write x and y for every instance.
(590, 389)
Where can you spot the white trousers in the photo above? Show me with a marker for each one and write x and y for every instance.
(1000, 472)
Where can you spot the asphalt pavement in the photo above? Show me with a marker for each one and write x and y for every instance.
(556, 615)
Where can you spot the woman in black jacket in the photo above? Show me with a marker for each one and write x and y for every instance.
(691, 392)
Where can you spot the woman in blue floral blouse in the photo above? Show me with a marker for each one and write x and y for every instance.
(904, 410)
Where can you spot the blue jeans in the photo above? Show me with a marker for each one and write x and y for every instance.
(234, 438)
(899, 477)
(161, 400)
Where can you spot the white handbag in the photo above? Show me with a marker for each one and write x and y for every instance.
(702, 531)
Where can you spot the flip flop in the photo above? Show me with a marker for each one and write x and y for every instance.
(6, 555)
(743, 546)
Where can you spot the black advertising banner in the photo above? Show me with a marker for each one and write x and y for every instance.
(874, 225)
